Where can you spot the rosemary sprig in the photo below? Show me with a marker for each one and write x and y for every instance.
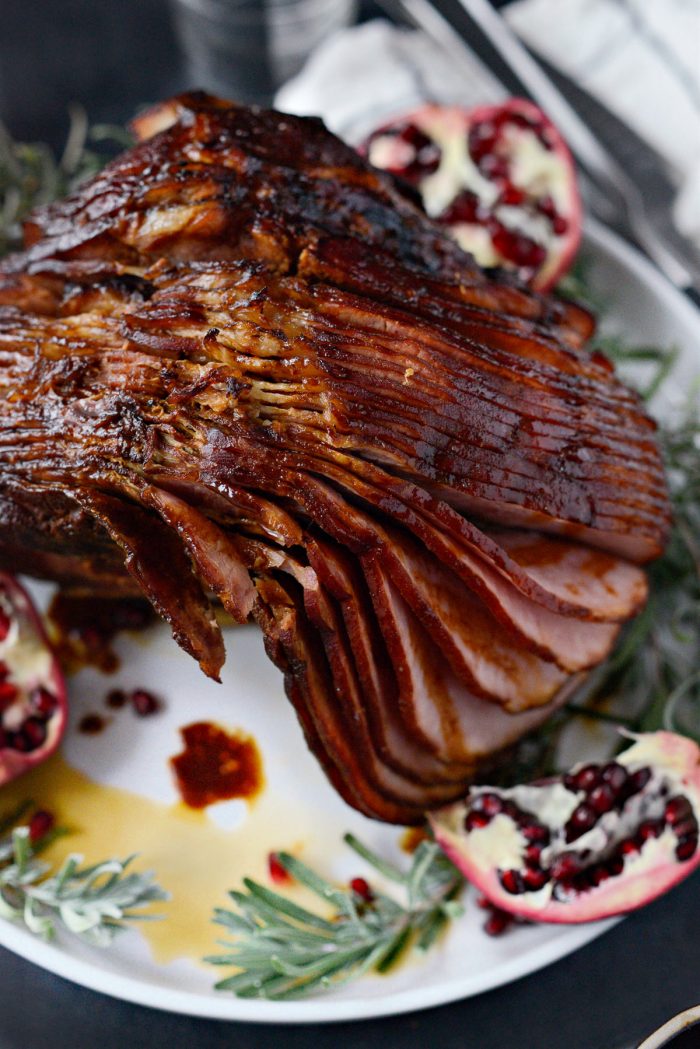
(283, 951)
(94, 903)
(31, 175)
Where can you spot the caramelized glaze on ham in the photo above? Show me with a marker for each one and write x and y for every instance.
(240, 363)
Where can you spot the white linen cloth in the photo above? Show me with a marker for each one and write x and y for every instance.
(640, 57)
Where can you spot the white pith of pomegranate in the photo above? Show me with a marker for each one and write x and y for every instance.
(501, 178)
(32, 689)
(601, 840)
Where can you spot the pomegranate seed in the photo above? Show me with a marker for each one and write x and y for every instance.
(361, 888)
(535, 832)
(484, 902)
(650, 829)
(31, 735)
(566, 865)
(629, 847)
(587, 778)
(482, 140)
(476, 820)
(565, 889)
(40, 825)
(685, 827)
(546, 207)
(616, 865)
(511, 195)
(686, 847)
(116, 698)
(532, 855)
(597, 875)
(492, 804)
(4, 670)
(601, 798)
(582, 819)
(43, 702)
(677, 809)
(8, 694)
(615, 775)
(466, 207)
(5, 624)
(498, 922)
(559, 225)
(518, 249)
(4, 739)
(638, 781)
(535, 880)
(512, 881)
(494, 167)
(278, 874)
(144, 703)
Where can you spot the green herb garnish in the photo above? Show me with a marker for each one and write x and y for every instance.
(94, 903)
(283, 951)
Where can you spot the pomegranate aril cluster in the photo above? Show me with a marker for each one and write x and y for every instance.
(37, 707)
(604, 788)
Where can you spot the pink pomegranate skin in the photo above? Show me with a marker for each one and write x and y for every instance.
(650, 868)
(540, 263)
(31, 726)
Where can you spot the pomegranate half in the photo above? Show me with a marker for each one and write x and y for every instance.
(32, 689)
(500, 177)
(601, 840)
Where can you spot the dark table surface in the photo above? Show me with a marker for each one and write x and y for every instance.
(112, 57)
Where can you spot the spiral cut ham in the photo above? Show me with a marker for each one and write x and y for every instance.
(241, 364)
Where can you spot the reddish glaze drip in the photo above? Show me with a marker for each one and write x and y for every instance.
(84, 627)
(216, 765)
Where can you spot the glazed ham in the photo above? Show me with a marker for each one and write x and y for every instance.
(240, 364)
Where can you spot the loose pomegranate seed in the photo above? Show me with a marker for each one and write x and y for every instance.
(144, 703)
(42, 702)
(498, 922)
(492, 804)
(512, 881)
(8, 694)
(476, 820)
(650, 829)
(278, 874)
(601, 798)
(677, 809)
(116, 698)
(5, 624)
(40, 825)
(582, 819)
(615, 775)
(686, 847)
(32, 734)
(361, 888)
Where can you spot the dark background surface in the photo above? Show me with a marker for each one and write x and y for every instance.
(113, 57)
